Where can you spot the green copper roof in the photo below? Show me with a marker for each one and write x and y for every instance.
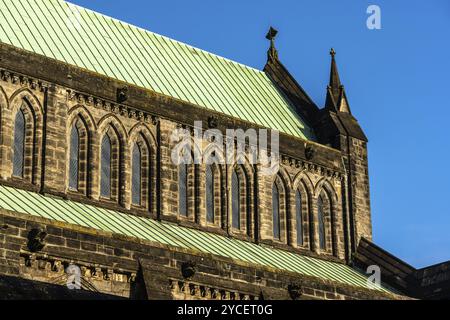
(80, 37)
(176, 236)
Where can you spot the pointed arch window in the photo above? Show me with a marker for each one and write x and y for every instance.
(235, 201)
(321, 222)
(209, 193)
(276, 211)
(299, 217)
(182, 189)
(74, 157)
(19, 144)
(136, 175)
(105, 178)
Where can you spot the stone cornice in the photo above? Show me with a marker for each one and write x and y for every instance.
(22, 80)
(111, 106)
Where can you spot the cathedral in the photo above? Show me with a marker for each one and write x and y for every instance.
(93, 205)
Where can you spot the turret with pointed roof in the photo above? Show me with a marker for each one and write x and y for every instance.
(336, 98)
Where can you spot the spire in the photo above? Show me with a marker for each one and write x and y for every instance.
(335, 82)
(336, 99)
(272, 53)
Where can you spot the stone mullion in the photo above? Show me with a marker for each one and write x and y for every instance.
(201, 192)
(31, 154)
(115, 165)
(192, 193)
(123, 190)
(82, 158)
(217, 172)
(225, 209)
(145, 176)
(249, 205)
(306, 216)
(291, 219)
(94, 166)
(243, 185)
(152, 183)
(284, 212)
(314, 226)
(125, 168)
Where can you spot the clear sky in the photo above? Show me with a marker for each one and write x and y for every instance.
(397, 81)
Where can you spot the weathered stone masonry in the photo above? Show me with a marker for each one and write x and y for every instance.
(98, 115)
(115, 265)
(55, 96)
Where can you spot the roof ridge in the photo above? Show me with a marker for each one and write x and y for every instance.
(163, 36)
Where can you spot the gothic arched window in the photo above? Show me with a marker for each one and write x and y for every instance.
(235, 201)
(182, 189)
(19, 144)
(74, 158)
(276, 211)
(105, 178)
(321, 222)
(209, 193)
(299, 217)
(136, 175)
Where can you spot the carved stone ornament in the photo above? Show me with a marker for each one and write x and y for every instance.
(122, 94)
(213, 122)
(36, 239)
(295, 291)
(309, 152)
(188, 269)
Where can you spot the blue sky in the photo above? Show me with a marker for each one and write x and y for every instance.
(396, 79)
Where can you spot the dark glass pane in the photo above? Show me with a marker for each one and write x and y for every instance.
(276, 211)
(73, 162)
(182, 189)
(321, 218)
(19, 144)
(235, 201)
(299, 217)
(105, 178)
(209, 194)
(136, 176)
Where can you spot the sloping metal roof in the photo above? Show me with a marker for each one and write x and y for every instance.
(89, 216)
(80, 37)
